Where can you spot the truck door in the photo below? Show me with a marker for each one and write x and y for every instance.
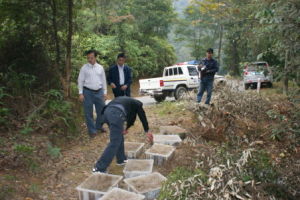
(193, 80)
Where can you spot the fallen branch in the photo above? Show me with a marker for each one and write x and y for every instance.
(34, 112)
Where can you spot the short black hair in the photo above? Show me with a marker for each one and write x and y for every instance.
(121, 55)
(210, 50)
(95, 52)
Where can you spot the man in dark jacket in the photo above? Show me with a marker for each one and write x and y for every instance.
(119, 77)
(208, 68)
(119, 111)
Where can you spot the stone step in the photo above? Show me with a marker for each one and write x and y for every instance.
(167, 139)
(140, 167)
(173, 130)
(147, 185)
(97, 185)
(133, 149)
(160, 153)
(119, 194)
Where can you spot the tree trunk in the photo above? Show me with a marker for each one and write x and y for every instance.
(68, 68)
(55, 35)
(236, 59)
(220, 44)
(298, 76)
(285, 74)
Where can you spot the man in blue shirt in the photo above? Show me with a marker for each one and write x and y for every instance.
(207, 68)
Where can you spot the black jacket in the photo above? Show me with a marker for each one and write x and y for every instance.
(113, 77)
(132, 108)
(211, 68)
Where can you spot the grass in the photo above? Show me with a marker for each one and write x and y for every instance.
(277, 89)
(177, 176)
(6, 192)
(167, 108)
(260, 167)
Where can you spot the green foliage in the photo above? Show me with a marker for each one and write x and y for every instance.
(58, 109)
(167, 107)
(26, 156)
(4, 111)
(145, 59)
(23, 149)
(277, 133)
(153, 17)
(177, 176)
(6, 192)
(10, 177)
(54, 152)
(26, 130)
(34, 188)
(260, 168)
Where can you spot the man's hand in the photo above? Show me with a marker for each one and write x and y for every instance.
(113, 85)
(203, 68)
(125, 132)
(150, 138)
(124, 87)
(81, 98)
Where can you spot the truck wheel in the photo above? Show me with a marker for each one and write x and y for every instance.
(159, 98)
(270, 85)
(247, 86)
(180, 92)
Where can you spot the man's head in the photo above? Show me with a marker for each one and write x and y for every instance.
(209, 53)
(121, 59)
(91, 56)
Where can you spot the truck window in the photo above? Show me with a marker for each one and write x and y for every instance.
(171, 72)
(175, 71)
(192, 71)
(166, 72)
(180, 70)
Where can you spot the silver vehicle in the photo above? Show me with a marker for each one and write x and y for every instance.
(257, 71)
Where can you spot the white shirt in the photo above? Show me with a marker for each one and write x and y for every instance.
(92, 77)
(121, 74)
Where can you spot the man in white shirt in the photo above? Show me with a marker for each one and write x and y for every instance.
(92, 91)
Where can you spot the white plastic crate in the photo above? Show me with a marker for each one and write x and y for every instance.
(133, 149)
(167, 139)
(97, 185)
(135, 168)
(160, 153)
(148, 185)
(119, 194)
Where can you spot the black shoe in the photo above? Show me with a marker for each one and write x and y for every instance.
(95, 170)
(122, 163)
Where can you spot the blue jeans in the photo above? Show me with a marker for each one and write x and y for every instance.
(206, 84)
(90, 99)
(115, 119)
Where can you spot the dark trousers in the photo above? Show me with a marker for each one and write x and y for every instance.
(118, 92)
(206, 84)
(92, 98)
(115, 119)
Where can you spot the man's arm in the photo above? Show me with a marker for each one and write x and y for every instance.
(214, 69)
(104, 84)
(80, 80)
(129, 77)
(142, 116)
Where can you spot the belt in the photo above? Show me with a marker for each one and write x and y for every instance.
(91, 89)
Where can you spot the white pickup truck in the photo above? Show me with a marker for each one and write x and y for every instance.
(176, 81)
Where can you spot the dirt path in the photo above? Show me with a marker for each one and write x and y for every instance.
(77, 160)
